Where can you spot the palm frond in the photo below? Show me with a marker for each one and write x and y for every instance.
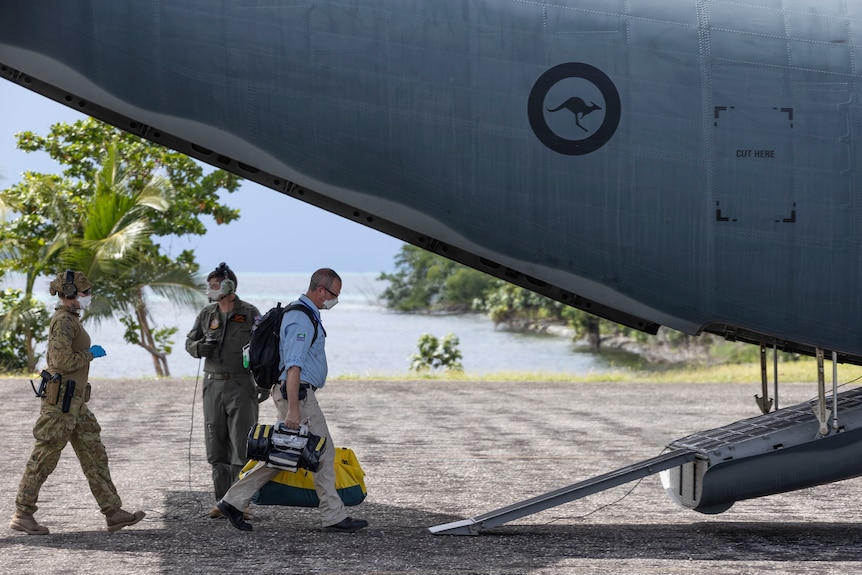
(156, 194)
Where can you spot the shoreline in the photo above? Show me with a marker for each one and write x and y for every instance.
(802, 370)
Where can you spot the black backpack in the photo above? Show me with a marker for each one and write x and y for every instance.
(264, 360)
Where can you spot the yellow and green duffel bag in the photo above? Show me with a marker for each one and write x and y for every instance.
(296, 488)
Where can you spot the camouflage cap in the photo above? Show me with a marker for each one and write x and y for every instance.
(81, 283)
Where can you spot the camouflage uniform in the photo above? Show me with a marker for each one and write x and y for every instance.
(69, 355)
(230, 396)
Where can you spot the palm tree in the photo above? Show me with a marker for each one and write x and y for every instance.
(116, 252)
(122, 228)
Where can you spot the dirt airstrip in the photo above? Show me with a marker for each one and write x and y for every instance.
(434, 452)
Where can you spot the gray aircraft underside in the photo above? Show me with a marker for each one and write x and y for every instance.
(688, 163)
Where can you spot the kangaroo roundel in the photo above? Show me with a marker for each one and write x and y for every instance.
(574, 108)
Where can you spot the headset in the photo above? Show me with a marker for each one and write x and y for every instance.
(228, 286)
(70, 291)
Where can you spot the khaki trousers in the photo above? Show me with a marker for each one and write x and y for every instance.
(331, 506)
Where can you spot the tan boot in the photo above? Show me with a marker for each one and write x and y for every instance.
(27, 523)
(122, 519)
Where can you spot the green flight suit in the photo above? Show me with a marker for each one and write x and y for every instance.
(229, 393)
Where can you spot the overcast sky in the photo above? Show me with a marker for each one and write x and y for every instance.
(259, 241)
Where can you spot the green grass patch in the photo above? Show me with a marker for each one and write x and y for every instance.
(801, 370)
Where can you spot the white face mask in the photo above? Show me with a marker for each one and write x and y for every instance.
(214, 294)
(84, 301)
(330, 303)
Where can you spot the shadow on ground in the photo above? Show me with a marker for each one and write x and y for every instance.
(433, 454)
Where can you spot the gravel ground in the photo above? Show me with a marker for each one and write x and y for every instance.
(434, 452)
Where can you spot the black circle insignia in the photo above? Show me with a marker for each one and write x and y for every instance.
(536, 108)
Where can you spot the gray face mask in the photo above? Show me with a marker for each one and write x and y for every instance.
(226, 287)
(330, 303)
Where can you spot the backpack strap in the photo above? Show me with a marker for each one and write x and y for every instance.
(309, 313)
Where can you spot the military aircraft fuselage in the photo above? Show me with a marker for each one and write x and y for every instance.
(688, 163)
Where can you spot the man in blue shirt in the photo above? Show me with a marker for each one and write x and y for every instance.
(304, 360)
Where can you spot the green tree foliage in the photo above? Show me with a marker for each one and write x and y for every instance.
(117, 253)
(27, 245)
(116, 197)
(426, 281)
(82, 148)
(509, 304)
(522, 309)
(30, 315)
(436, 355)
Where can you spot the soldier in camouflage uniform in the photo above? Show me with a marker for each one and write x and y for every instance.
(69, 355)
(230, 396)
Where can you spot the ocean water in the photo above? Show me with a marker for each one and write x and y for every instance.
(363, 337)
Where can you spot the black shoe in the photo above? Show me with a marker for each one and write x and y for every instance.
(347, 525)
(234, 515)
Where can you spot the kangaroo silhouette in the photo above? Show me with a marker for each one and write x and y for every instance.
(577, 107)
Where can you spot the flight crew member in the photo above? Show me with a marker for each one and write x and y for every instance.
(64, 416)
(306, 368)
(230, 396)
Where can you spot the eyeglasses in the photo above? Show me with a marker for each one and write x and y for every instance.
(333, 294)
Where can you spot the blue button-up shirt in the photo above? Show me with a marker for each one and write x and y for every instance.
(296, 348)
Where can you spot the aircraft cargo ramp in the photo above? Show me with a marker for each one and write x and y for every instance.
(565, 495)
(710, 470)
